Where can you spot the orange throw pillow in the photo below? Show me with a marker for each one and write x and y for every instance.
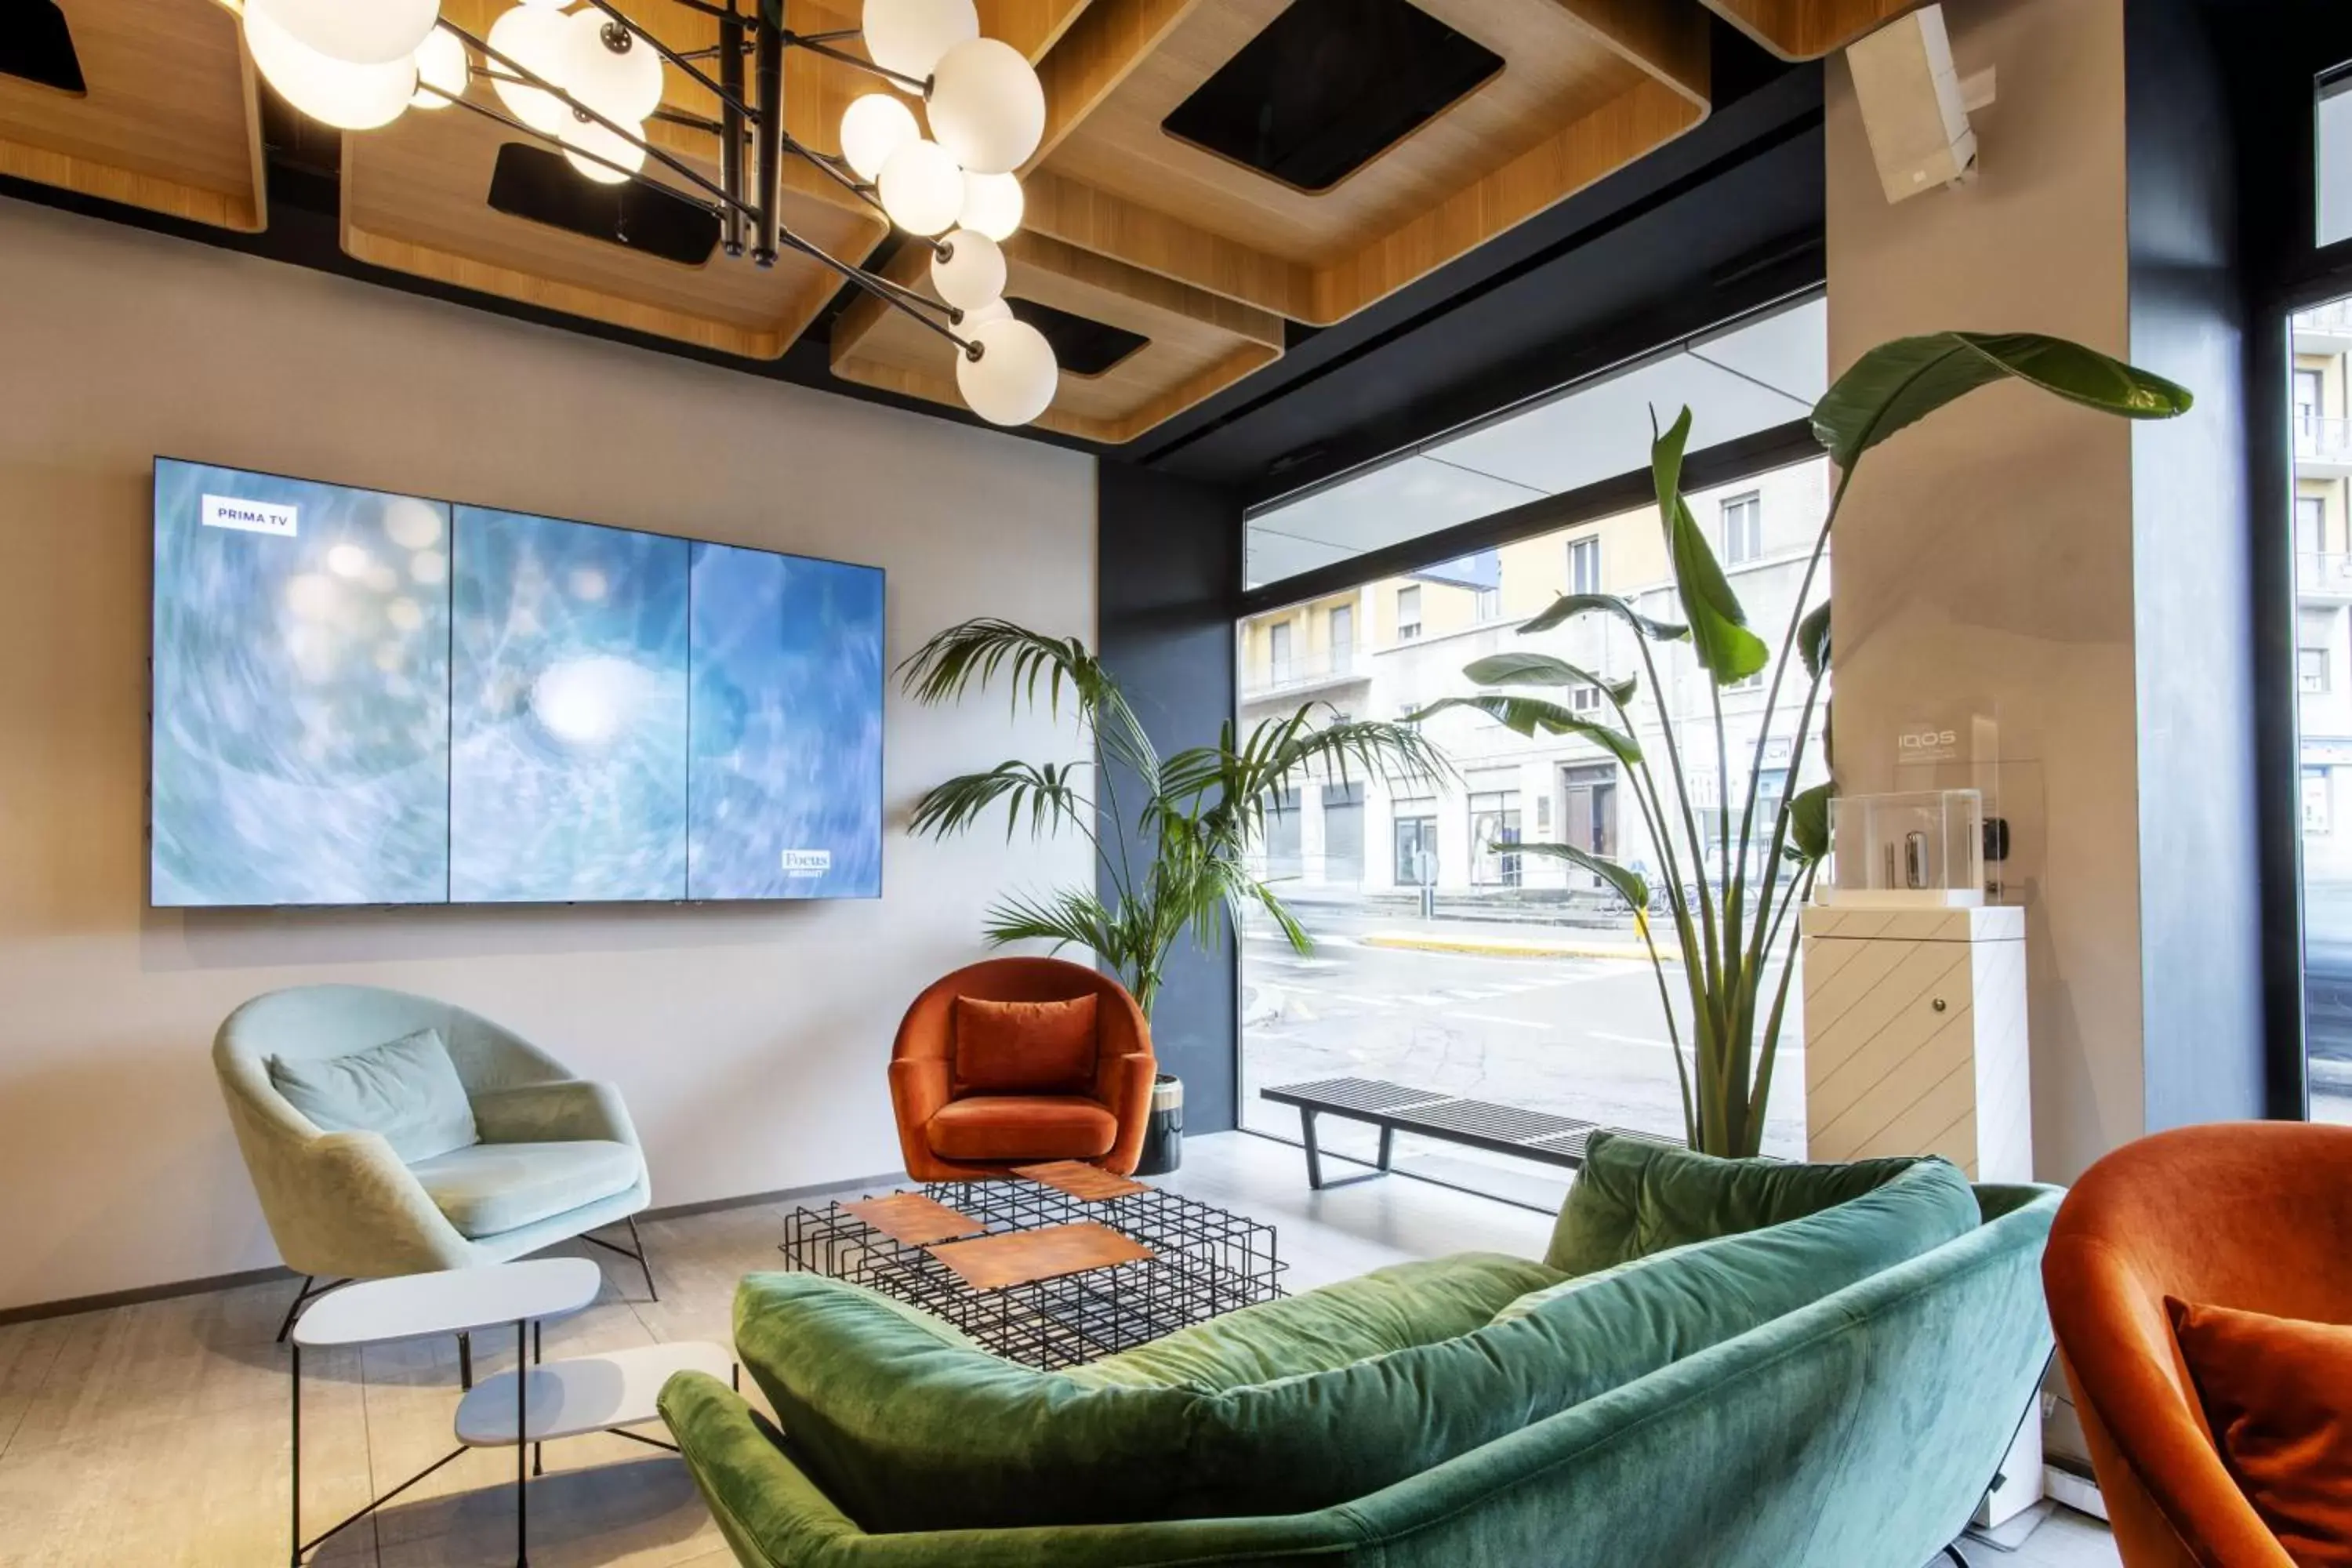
(2278, 1395)
(1025, 1048)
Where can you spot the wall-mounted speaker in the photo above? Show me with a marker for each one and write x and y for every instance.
(1914, 108)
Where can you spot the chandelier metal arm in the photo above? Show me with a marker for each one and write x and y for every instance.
(732, 130)
(815, 42)
(768, 86)
(498, 118)
(882, 288)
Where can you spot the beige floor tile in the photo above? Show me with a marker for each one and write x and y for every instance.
(598, 1504)
(204, 1492)
(28, 1352)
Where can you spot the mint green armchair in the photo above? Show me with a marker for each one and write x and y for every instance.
(557, 1156)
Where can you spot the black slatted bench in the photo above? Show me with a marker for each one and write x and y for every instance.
(1396, 1108)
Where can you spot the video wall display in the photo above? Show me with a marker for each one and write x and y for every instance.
(363, 698)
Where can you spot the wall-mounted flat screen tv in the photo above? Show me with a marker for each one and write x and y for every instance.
(363, 698)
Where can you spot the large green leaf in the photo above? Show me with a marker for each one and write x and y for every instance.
(1629, 883)
(1813, 639)
(1543, 670)
(1726, 649)
(1531, 715)
(1568, 607)
(1809, 823)
(1900, 383)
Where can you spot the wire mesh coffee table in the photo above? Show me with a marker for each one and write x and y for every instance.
(1037, 1272)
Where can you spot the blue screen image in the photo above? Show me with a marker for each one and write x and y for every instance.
(785, 793)
(301, 692)
(568, 734)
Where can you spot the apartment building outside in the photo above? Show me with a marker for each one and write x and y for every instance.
(1392, 646)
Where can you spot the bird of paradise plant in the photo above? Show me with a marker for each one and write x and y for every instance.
(1730, 931)
(1175, 857)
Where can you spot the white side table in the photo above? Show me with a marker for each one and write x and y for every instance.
(428, 1306)
(578, 1394)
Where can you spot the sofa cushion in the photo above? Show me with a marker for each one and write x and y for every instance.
(493, 1187)
(1000, 1127)
(908, 1426)
(1634, 1197)
(408, 1089)
(1390, 1309)
(2276, 1392)
(1025, 1048)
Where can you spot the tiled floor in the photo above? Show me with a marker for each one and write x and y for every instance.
(155, 1435)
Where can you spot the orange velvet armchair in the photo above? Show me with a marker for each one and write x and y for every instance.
(2252, 1216)
(950, 1136)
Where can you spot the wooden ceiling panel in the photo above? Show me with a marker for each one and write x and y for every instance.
(169, 121)
(1586, 87)
(414, 200)
(1196, 344)
(1808, 29)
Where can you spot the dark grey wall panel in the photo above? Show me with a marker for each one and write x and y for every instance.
(2194, 550)
(1171, 572)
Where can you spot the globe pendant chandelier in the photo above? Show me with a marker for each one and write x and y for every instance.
(588, 80)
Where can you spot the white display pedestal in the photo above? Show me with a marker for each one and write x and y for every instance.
(1916, 1044)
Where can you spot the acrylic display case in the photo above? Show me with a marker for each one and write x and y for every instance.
(1920, 850)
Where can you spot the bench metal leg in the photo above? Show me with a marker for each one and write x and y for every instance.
(1314, 1154)
(1388, 1146)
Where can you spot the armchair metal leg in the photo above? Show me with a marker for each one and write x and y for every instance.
(466, 1361)
(1953, 1552)
(636, 1256)
(311, 1292)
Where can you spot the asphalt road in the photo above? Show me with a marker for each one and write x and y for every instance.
(1580, 1037)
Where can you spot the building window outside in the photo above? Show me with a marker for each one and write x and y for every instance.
(2311, 525)
(1495, 826)
(2315, 799)
(1277, 651)
(1584, 565)
(1490, 604)
(1743, 528)
(1284, 854)
(1749, 683)
(2311, 674)
(1342, 629)
(1583, 699)
(2309, 394)
(1416, 844)
(1408, 612)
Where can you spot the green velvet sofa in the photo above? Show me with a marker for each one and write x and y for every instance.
(1740, 1364)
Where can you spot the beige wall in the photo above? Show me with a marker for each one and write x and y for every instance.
(749, 1041)
(1984, 560)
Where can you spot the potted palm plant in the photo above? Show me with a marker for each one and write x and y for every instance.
(1171, 834)
(1729, 897)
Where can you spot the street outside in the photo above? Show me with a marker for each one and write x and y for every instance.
(1582, 1037)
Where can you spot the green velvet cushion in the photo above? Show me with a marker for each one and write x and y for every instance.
(406, 1090)
(1634, 1198)
(908, 1426)
(1390, 1309)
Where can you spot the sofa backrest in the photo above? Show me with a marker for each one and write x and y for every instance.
(909, 1428)
(1857, 1432)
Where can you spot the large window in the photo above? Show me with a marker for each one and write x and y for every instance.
(1494, 828)
(2322, 462)
(1416, 844)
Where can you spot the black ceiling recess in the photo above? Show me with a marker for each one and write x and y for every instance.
(1081, 346)
(534, 182)
(37, 46)
(1329, 87)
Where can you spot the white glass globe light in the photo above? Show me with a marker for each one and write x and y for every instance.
(986, 106)
(994, 310)
(993, 205)
(922, 188)
(590, 137)
(348, 97)
(910, 36)
(1013, 380)
(440, 63)
(626, 85)
(538, 40)
(354, 32)
(972, 272)
(873, 128)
